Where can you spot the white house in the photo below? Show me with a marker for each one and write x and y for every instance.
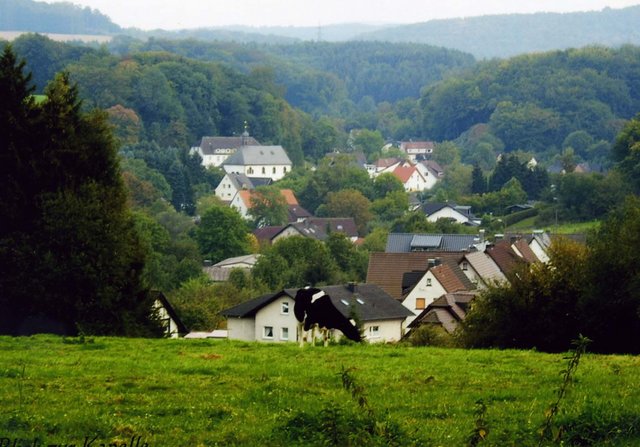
(242, 200)
(270, 318)
(232, 183)
(434, 283)
(417, 149)
(435, 211)
(259, 161)
(411, 177)
(431, 177)
(382, 165)
(215, 150)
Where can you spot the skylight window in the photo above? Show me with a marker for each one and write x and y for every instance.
(345, 302)
(359, 300)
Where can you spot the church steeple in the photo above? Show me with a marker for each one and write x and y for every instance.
(245, 134)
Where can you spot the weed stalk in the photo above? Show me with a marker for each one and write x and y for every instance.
(548, 431)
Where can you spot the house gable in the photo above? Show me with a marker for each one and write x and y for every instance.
(169, 318)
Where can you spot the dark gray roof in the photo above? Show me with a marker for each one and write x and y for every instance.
(259, 155)
(369, 302)
(430, 208)
(208, 145)
(241, 181)
(250, 308)
(297, 212)
(408, 242)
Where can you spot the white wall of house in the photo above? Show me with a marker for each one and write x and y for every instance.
(472, 274)
(274, 172)
(216, 159)
(449, 213)
(278, 316)
(170, 326)
(429, 177)
(416, 182)
(383, 331)
(428, 289)
(241, 329)
(240, 206)
(226, 190)
(539, 251)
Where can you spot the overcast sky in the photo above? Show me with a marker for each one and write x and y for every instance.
(180, 14)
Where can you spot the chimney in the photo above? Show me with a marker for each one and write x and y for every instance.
(481, 234)
(498, 237)
(352, 286)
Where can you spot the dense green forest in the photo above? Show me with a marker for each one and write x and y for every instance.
(544, 104)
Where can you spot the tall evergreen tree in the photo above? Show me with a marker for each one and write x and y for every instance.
(70, 257)
(478, 181)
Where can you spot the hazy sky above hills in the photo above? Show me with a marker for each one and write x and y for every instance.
(181, 14)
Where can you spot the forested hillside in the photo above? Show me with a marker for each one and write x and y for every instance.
(535, 102)
(513, 34)
(308, 96)
(65, 18)
(322, 77)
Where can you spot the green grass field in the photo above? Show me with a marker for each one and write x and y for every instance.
(56, 391)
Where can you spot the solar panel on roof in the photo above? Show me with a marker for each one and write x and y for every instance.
(426, 241)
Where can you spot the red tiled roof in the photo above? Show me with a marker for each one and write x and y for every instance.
(404, 173)
(288, 195)
(445, 276)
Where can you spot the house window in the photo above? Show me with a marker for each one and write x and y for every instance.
(250, 170)
(268, 332)
(264, 170)
(428, 282)
(465, 266)
(374, 331)
(284, 169)
(284, 309)
(284, 333)
(274, 169)
(420, 303)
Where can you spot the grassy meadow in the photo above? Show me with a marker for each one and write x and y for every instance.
(116, 391)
